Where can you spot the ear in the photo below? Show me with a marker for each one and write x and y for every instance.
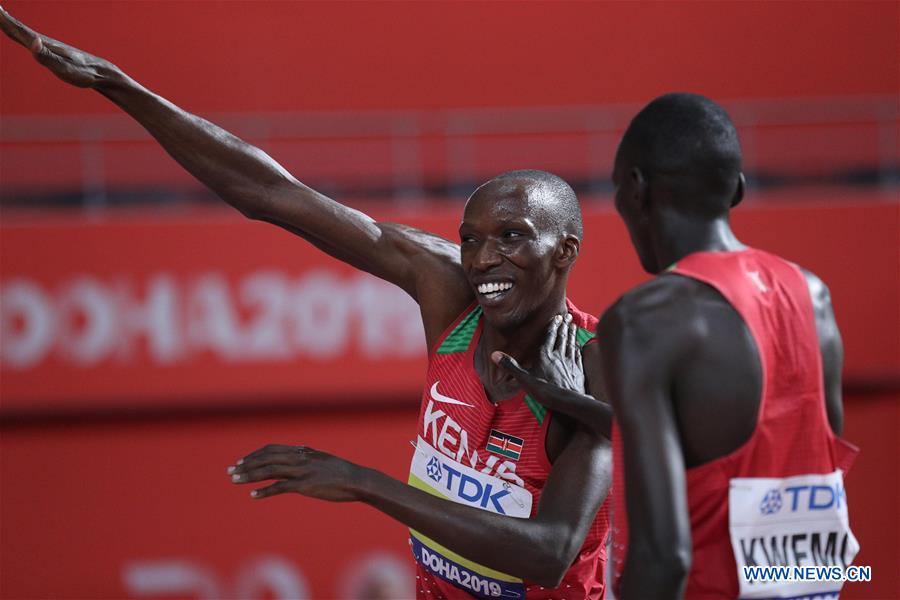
(567, 251)
(739, 192)
(641, 191)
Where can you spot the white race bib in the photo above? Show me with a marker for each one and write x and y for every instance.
(799, 521)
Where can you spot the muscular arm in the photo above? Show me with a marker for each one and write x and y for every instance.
(832, 348)
(539, 549)
(642, 341)
(248, 179)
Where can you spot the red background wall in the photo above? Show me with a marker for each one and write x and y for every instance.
(264, 56)
(106, 465)
(86, 497)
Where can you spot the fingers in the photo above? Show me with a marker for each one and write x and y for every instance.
(280, 487)
(572, 349)
(266, 472)
(284, 459)
(270, 449)
(552, 335)
(562, 337)
(510, 364)
(16, 30)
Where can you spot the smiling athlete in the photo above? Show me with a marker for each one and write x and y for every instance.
(503, 496)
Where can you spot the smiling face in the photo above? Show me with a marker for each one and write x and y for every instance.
(513, 252)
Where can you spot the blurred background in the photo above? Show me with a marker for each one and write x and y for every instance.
(151, 335)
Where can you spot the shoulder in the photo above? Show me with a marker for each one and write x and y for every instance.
(666, 303)
(441, 287)
(818, 291)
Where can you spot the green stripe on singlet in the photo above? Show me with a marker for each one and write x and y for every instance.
(536, 409)
(459, 339)
(582, 337)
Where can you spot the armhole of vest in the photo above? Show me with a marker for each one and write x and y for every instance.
(834, 438)
(440, 341)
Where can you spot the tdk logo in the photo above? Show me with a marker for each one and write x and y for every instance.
(466, 487)
(433, 468)
(771, 502)
(805, 497)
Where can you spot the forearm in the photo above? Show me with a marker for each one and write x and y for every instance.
(241, 174)
(527, 548)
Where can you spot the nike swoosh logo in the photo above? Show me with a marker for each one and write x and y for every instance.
(439, 397)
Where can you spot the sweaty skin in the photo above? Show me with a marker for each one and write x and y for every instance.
(505, 234)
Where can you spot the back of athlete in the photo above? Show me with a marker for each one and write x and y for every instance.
(749, 403)
(724, 374)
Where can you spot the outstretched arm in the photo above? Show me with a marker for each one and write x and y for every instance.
(540, 549)
(251, 181)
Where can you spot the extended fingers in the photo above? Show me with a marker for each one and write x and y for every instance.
(265, 472)
(16, 30)
(279, 487)
(268, 450)
(512, 366)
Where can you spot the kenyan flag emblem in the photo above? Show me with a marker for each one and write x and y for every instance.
(505, 445)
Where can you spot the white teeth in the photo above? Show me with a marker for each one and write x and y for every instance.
(490, 288)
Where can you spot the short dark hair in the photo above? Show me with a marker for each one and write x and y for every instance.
(688, 142)
(564, 208)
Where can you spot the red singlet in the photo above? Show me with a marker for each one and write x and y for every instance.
(781, 469)
(490, 456)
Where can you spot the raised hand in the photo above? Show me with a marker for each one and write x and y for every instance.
(69, 64)
(300, 470)
(560, 361)
(558, 380)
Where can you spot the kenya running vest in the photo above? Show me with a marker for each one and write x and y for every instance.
(492, 457)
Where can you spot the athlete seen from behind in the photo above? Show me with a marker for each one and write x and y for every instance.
(724, 373)
(503, 497)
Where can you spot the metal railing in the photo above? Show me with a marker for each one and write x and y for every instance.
(99, 160)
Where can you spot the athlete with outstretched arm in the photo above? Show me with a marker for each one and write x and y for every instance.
(532, 530)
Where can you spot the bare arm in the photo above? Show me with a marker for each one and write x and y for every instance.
(641, 346)
(540, 549)
(832, 348)
(248, 179)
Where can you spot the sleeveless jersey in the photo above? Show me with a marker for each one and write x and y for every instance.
(778, 499)
(489, 456)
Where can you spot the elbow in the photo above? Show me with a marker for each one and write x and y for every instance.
(661, 574)
(556, 561)
(675, 567)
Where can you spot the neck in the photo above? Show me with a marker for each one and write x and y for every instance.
(523, 340)
(681, 235)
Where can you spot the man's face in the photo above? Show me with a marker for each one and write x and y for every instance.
(628, 205)
(507, 248)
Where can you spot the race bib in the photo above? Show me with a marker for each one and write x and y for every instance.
(800, 522)
(436, 473)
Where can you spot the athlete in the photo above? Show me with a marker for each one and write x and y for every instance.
(724, 373)
(503, 496)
